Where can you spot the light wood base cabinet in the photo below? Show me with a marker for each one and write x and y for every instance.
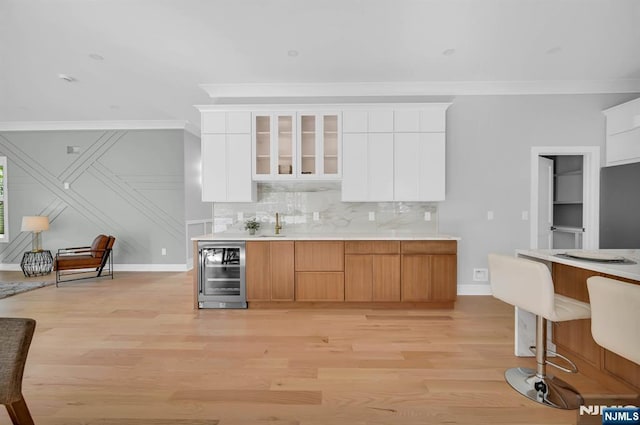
(319, 286)
(319, 271)
(429, 270)
(573, 338)
(372, 271)
(270, 271)
(396, 274)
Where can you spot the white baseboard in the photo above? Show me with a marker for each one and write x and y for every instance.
(122, 267)
(150, 267)
(474, 289)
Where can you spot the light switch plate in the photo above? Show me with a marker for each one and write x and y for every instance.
(372, 216)
(525, 215)
(316, 216)
(489, 215)
(427, 216)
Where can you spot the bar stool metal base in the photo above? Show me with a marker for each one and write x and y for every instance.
(549, 390)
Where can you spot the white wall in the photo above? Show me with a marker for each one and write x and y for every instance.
(489, 140)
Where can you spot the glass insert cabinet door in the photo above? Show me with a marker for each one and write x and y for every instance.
(319, 145)
(274, 139)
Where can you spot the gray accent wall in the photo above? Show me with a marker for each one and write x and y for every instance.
(128, 183)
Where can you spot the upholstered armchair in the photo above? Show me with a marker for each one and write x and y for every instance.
(85, 262)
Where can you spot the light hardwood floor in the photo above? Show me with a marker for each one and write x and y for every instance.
(131, 351)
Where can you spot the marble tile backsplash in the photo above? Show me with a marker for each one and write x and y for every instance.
(296, 202)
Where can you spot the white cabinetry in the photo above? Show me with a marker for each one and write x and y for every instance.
(419, 167)
(226, 157)
(367, 155)
(394, 153)
(319, 146)
(623, 133)
(296, 145)
(367, 175)
(274, 146)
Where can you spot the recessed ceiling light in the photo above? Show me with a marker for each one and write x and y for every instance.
(554, 50)
(293, 53)
(96, 56)
(448, 52)
(67, 78)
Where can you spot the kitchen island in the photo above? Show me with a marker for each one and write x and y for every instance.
(573, 338)
(390, 270)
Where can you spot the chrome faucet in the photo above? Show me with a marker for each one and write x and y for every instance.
(278, 225)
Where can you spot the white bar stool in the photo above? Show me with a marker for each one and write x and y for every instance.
(615, 316)
(528, 285)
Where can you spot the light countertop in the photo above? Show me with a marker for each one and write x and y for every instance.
(324, 236)
(629, 270)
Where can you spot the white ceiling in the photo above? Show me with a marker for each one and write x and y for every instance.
(157, 52)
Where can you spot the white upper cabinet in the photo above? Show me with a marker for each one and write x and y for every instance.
(426, 120)
(274, 146)
(319, 146)
(372, 121)
(301, 146)
(368, 172)
(226, 122)
(623, 133)
(419, 167)
(394, 153)
(226, 157)
(380, 152)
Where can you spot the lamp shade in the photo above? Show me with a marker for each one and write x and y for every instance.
(35, 223)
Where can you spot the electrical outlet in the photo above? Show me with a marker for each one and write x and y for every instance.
(525, 215)
(427, 216)
(316, 216)
(489, 215)
(240, 216)
(480, 275)
(372, 216)
(164, 251)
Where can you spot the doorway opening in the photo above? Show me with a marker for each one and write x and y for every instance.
(565, 185)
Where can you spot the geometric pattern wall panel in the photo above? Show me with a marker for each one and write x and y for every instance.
(128, 183)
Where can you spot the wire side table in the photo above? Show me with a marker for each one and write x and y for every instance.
(36, 263)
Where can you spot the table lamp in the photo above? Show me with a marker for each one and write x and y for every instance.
(35, 224)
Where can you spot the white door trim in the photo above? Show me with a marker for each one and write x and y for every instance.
(590, 191)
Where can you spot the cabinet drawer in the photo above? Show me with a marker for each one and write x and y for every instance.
(429, 247)
(319, 286)
(372, 247)
(320, 256)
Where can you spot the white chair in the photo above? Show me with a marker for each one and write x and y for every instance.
(527, 284)
(615, 316)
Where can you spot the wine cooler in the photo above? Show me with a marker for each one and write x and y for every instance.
(221, 275)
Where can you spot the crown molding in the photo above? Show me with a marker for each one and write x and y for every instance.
(98, 125)
(420, 88)
(315, 107)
